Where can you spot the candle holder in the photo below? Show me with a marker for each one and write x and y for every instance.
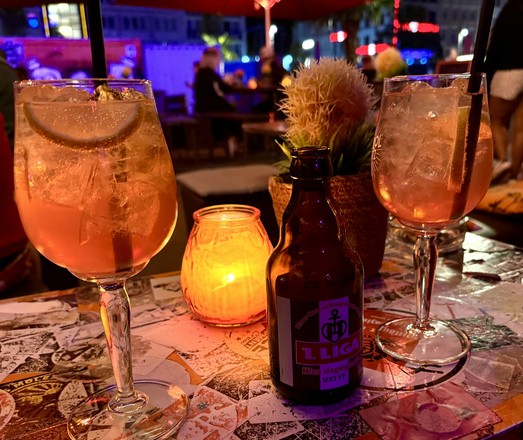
(223, 267)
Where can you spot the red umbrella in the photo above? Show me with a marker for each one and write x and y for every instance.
(29, 3)
(284, 9)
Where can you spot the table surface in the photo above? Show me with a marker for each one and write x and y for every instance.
(52, 354)
(276, 128)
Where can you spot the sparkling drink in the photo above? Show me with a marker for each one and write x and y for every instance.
(96, 191)
(71, 200)
(431, 165)
(421, 132)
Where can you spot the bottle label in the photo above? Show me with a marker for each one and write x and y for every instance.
(317, 343)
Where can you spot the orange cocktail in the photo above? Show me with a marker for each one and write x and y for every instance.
(431, 165)
(96, 191)
(88, 170)
(421, 132)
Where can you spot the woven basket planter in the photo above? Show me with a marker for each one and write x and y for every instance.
(363, 216)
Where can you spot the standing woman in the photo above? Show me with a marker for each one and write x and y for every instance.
(504, 67)
(209, 90)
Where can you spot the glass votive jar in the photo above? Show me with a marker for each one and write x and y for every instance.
(223, 266)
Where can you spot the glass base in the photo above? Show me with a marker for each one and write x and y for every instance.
(439, 343)
(158, 414)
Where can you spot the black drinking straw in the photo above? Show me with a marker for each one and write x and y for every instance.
(474, 118)
(121, 240)
(96, 39)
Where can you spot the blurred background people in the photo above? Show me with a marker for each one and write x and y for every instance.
(20, 271)
(271, 71)
(368, 69)
(235, 79)
(209, 96)
(504, 67)
(7, 106)
(271, 76)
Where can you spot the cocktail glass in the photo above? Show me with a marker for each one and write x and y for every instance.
(96, 191)
(429, 170)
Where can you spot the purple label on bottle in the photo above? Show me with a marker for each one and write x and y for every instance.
(317, 344)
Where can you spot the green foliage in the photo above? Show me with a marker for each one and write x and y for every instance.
(225, 42)
(349, 160)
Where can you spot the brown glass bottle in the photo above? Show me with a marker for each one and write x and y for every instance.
(315, 292)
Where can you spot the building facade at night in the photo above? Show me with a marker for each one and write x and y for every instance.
(424, 30)
(428, 30)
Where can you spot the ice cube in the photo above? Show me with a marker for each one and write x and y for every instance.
(70, 94)
(432, 103)
(394, 105)
(128, 93)
(431, 160)
(142, 204)
(104, 93)
(48, 93)
(461, 84)
(416, 86)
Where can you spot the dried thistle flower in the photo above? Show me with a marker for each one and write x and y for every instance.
(389, 63)
(328, 103)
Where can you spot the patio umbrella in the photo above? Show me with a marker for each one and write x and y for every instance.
(283, 9)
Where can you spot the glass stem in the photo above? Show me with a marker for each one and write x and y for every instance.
(425, 260)
(115, 311)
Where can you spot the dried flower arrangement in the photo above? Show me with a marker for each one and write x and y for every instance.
(330, 103)
(389, 63)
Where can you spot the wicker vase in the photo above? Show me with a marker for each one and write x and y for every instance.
(364, 217)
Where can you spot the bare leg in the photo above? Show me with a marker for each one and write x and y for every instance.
(517, 141)
(500, 115)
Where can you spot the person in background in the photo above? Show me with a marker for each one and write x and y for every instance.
(195, 67)
(272, 71)
(368, 69)
(20, 269)
(22, 73)
(271, 76)
(7, 105)
(209, 97)
(504, 67)
(235, 79)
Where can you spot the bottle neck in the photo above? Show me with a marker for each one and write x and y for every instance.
(309, 205)
(310, 185)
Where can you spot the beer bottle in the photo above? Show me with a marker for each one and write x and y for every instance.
(314, 292)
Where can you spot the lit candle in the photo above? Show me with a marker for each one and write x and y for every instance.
(223, 267)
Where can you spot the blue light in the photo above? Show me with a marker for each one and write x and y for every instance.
(410, 61)
(33, 22)
(287, 62)
(416, 54)
(423, 61)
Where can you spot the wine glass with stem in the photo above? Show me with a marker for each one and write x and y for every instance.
(96, 191)
(431, 165)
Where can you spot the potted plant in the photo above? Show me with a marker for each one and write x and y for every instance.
(330, 103)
